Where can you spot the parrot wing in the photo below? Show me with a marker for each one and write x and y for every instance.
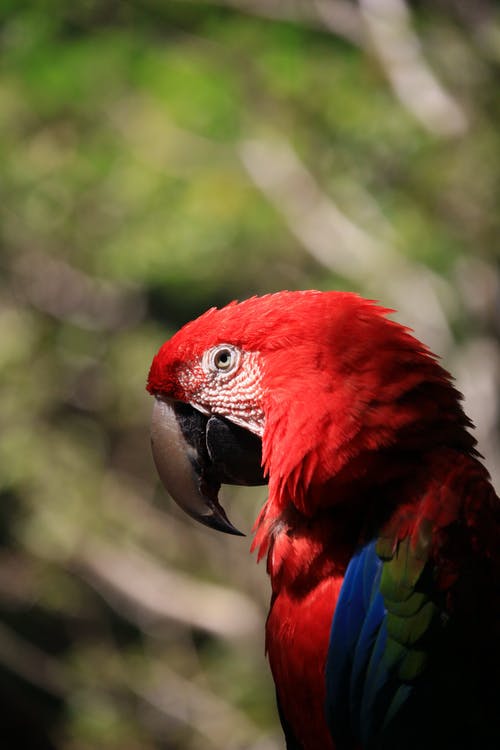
(404, 666)
(377, 646)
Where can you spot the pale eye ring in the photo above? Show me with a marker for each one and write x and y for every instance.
(224, 358)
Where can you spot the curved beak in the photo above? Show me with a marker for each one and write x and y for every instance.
(195, 454)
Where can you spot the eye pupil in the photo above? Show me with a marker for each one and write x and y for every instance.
(223, 359)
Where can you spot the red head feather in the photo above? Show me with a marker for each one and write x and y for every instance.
(340, 388)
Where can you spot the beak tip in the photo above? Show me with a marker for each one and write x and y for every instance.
(218, 521)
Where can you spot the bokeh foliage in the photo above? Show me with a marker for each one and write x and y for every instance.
(158, 158)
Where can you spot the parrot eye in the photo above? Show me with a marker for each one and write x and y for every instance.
(223, 358)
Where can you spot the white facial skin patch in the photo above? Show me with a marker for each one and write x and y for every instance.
(227, 382)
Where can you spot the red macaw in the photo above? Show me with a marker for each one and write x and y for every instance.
(381, 527)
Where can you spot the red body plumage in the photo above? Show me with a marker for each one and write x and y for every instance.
(363, 437)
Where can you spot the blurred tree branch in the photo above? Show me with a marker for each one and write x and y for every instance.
(149, 592)
(32, 663)
(342, 246)
(339, 17)
(219, 723)
(382, 28)
(57, 288)
(399, 52)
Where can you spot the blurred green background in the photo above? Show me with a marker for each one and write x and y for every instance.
(158, 158)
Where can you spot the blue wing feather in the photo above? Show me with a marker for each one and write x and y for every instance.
(356, 622)
(368, 650)
(364, 686)
(348, 620)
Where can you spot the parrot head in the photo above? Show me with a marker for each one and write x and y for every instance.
(300, 390)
